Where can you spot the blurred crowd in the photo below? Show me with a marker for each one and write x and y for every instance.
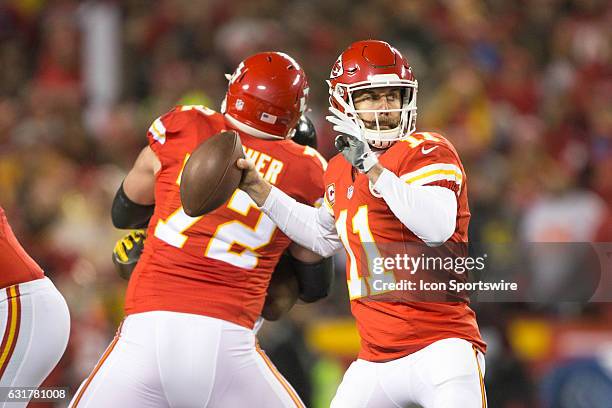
(522, 88)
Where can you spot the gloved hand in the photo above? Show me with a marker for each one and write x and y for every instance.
(127, 252)
(351, 142)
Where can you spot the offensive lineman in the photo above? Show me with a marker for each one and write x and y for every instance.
(280, 294)
(389, 185)
(200, 284)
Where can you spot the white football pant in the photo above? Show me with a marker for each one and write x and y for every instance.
(180, 360)
(35, 325)
(446, 374)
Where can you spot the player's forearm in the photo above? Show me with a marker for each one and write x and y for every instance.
(305, 225)
(430, 212)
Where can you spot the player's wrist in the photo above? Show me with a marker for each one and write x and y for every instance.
(374, 172)
(259, 191)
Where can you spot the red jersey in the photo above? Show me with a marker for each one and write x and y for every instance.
(16, 265)
(217, 265)
(391, 330)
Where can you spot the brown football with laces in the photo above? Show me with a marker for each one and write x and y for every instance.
(210, 176)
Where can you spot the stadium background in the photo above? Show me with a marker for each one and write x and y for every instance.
(522, 88)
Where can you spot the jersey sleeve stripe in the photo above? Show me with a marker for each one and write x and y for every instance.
(435, 175)
(434, 172)
(430, 169)
(158, 130)
(438, 177)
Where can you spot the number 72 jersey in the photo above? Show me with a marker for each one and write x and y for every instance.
(217, 265)
(368, 228)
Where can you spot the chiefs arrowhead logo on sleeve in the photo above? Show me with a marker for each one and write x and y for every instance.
(331, 194)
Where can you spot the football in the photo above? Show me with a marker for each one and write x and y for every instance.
(210, 175)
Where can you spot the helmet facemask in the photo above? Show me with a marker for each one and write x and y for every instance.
(373, 131)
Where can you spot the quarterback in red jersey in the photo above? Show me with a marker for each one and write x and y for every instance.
(390, 184)
(34, 317)
(200, 284)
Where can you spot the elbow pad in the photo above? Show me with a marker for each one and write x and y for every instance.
(314, 279)
(127, 214)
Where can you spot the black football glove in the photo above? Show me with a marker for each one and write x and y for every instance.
(127, 252)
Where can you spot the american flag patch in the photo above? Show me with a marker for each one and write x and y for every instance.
(266, 117)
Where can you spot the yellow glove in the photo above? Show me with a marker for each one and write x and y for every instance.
(127, 252)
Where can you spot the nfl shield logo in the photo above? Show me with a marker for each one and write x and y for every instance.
(349, 192)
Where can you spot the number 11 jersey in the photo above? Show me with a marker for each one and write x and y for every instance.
(367, 226)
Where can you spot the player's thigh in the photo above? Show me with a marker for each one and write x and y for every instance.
(188, 349)
(452, 373)
(126, 375)
(389, 384)
(251, 380)
(49, 336)
(35, 333)
(361, 387)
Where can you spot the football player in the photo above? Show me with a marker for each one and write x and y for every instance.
(287, 283)
(200, 284)
(34, 318)
(390, 184)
